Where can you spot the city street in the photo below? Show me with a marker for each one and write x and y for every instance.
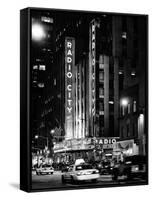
(54, 181)
(88, 110)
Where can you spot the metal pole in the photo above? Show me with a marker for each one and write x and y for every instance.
(47, 143)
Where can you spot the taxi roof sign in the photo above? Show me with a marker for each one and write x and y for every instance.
(79, 161)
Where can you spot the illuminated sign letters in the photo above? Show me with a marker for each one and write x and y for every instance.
(69, 85)
(93, 62)
(69, 63)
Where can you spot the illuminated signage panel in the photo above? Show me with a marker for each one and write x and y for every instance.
(69, 85)
(92, 74)
(86, 143)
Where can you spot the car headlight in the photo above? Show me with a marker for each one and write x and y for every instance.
(79, 173)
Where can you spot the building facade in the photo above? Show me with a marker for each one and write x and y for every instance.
(129, 51)
(88, 81)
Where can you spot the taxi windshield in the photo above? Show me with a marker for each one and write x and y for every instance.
(83, 167)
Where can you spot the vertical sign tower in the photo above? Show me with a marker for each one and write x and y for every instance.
(69, 87)
(92, 75)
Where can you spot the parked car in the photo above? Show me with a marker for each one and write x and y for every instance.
(80, 172)
(45, 169)
(132, 167)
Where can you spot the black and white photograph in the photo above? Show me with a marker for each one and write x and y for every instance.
(87, 99)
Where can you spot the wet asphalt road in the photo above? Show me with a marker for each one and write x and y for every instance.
(54, 181)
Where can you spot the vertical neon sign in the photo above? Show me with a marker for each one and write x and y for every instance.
(69, 89)
(92, 74)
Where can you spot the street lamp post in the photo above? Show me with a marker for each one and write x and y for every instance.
(124, 103)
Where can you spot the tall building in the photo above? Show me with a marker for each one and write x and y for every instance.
(129, 52)
(43, 79)
(84, 56)
(103, 84)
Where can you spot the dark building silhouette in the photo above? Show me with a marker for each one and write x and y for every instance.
(129, 51)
